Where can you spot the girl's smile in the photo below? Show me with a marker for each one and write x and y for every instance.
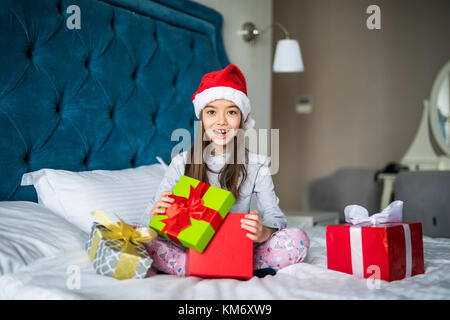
(221, 133)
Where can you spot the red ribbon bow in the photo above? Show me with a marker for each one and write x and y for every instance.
(180, 212)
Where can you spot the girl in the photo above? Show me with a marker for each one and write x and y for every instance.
(219, 157)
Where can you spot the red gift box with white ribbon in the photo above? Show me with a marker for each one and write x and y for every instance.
(380, 246)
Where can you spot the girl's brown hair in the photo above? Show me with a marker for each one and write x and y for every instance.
(230, 173)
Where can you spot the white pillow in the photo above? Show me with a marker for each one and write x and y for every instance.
(29, 231)
(74, 195)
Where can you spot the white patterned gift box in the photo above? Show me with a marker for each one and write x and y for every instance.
(113, 254)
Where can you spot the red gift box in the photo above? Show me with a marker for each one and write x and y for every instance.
(228, 255)
(395, 248)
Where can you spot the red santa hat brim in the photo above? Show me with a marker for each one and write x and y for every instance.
(239, 98)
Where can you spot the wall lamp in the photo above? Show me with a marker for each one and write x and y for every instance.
(288, 57)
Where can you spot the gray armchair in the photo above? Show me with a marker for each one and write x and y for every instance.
(426, 196)
(346, 186)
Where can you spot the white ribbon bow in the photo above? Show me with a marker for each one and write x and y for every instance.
(356, 214)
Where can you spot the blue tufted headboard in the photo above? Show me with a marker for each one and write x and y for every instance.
(105, 96)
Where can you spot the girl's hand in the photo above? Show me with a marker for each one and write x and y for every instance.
(164, 201)
(253, 223)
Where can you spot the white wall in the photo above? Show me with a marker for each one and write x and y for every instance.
(255, 60)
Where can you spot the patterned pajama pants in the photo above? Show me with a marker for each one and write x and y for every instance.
(283, 248)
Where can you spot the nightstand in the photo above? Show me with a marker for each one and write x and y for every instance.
(311, 218)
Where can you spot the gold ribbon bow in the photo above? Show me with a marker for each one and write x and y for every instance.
(131, 236)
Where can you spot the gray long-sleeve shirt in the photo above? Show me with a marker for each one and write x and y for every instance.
(259, 181)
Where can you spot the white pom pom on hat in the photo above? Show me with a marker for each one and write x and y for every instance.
(229, 84)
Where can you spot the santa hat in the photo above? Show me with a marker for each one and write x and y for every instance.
(228, 84)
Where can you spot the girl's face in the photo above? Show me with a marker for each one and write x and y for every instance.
(221, 119)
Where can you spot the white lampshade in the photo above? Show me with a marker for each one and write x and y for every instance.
(288, 57)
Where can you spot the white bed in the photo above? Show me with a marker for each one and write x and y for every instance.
(52, 274)
(110, 96)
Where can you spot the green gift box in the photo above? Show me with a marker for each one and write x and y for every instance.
(196, 214)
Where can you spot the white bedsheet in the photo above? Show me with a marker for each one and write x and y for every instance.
(48, 278)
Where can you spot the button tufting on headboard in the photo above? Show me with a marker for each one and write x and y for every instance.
(133, 160)
(174, 80)
(94, 96)
(29, 52)
(134, 74)
(59, 7)
(87, 61)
